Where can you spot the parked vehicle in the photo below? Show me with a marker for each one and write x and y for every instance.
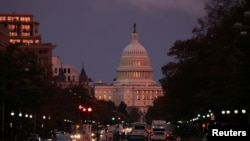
(34, 137)
(60, 136)
(158, 136)
(63, 137)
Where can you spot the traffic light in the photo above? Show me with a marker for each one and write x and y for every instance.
(113, 118)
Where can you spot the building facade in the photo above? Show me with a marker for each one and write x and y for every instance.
(134, 84)
(65, 75)
(4, 37)
(22, 28)
(24, 31)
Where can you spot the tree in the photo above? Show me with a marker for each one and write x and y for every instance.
(122, 109)
(210, 68)
(134, 114)
(103, 111)
(21, 78)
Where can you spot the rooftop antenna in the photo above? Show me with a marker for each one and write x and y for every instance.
(134, 28)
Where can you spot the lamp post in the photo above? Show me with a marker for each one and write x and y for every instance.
(239, 25)
(3, 116)
(244, 27)
(3, 110)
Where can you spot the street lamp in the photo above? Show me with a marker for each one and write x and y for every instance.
(236, 111)
(239, 25)
(20, 114)
(243, 111)
(247, 14)
(223, 112)
(12, 113)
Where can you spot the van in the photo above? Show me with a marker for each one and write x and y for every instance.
(139, 129)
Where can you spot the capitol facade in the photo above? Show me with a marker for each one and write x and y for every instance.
(133, 84)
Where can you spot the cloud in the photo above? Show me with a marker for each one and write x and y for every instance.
(194, 7)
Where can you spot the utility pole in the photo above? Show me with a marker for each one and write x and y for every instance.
(3, 120)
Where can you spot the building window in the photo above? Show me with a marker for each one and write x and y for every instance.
(40, 51)
(43, 61)
(68, 70)
(56, 70)
(25, 19)
(13, 33)
(14, 41)
(37, 41)
(68, 78)
(2, 18)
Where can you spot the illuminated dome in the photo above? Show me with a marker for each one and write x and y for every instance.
(134, 67)
(134, 49)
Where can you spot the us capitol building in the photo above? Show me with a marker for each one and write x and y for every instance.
(134, 84)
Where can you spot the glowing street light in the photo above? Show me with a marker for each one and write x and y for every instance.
(243, 111)
(20, 114)
(12, 113)
(239, 25)
(223, 112)
(236, 111)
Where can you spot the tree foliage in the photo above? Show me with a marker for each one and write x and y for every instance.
(134, 114)
(21, 78)
(103, 111)
(210, 69)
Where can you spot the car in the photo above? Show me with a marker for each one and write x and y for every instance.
(63, 137)
(159, 136)
(60, 136)
(136, 138)
(34, 137)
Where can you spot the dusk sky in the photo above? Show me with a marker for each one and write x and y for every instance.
(93, 33)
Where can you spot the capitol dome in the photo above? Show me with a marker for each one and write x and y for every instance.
(134, 67)
(134, 49)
